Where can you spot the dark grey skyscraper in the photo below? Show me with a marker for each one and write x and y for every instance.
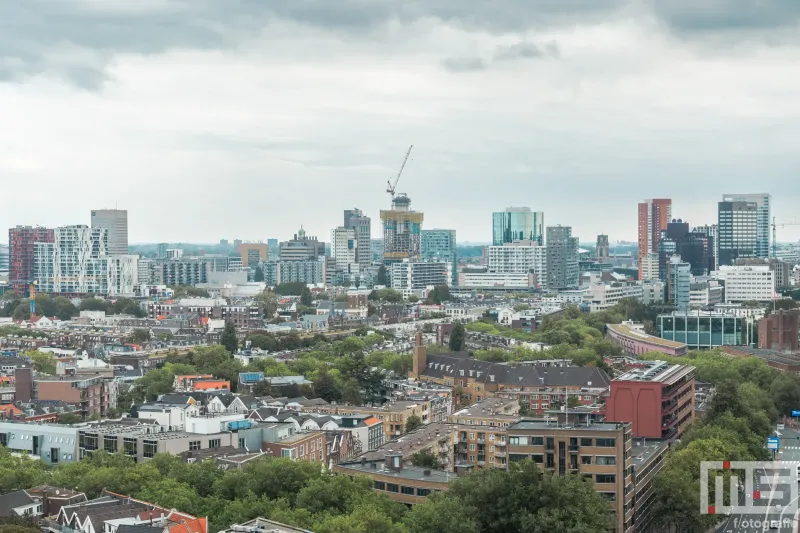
(355, 219)
(562, 258)
(737, 230)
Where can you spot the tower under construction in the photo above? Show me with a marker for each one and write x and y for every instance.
(402, 231)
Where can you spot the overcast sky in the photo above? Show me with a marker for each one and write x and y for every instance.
(212, 119)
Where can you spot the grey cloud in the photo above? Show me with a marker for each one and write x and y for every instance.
(464, 64)
(31, 29)
(526, 50)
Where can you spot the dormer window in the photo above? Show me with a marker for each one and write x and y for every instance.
(461, 372)
(491, 377)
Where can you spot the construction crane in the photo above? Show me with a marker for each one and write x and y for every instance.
(392, 186)
(791, 222)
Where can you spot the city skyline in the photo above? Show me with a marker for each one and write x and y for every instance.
(578, 112)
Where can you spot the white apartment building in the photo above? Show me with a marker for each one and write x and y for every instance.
(650, 269)
(601, 296)
(508, 281)
(344, 250)
(408, 275)
(77, 262)
(704, 294)
(518, 257)
(653, 292)
(747, 283)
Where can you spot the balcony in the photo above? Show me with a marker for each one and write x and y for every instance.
(500, 454)
(481, 441)
(501, 443)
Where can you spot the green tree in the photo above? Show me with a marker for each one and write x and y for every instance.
(258, 275)
(381, 277)
(440, 514)
(343, 298)
(269, 300)
(458, 337)
(425, 459)
(22, 311)
(305, 296)
(139, 336)
(325, 386)
(69, 417)
(42, 362)
(413, 422)
(439, 294)
(228, 339)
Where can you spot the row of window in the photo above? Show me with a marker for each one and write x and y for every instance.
(540, 441)
(401, 489)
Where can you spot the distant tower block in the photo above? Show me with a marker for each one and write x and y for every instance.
(402, 232)
(602, 247)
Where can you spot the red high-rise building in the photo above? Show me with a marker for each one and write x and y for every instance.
(654, 214)
(21, 242)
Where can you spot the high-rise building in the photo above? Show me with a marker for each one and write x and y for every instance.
(115, 222)
(344, 250)
(711, 231)
(273, 249)
(402, 231)
(695, 248)
(738, 231)
(763, 203)
(679, 281)
(377, 250)
(21, 243)
(408, 275)
(602, 248)
(440, 245)
(362, 224)
(3, 260)
(77, 263)
(517, 224)
(253, 253)
(302, 248)
(562, 258)
(654, 214)
(521, 257)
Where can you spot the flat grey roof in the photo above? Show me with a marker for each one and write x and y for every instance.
(544, 426)
(644, 450)
(407, 472)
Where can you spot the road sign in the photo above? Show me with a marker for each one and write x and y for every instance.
(773, 443)
(796, 413)
(781, 427)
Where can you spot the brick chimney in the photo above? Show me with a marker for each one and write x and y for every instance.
(420, 357)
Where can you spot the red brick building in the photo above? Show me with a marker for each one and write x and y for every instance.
(658, 400)
(21, 241)
(309, 446)
(779, 331)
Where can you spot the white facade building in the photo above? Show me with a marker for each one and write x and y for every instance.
(115, 222)
(705, 293)
(653, 292)
(77, 262)
(508, 281)
(650, 269)
(519, 257)
(344, 249)
(601, 296)
(407, 275)
(747, 283)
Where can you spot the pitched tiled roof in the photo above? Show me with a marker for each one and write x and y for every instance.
(459, 365)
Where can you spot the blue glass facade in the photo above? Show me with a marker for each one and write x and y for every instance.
(700, 331)
(517, 224)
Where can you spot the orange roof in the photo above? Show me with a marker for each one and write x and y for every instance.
(212, 384)
(204, 320)
(195, 525)
(10, 410)
(372, 421)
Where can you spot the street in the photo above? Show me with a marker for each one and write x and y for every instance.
(774, 498)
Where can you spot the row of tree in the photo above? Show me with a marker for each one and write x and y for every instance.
(302, 494)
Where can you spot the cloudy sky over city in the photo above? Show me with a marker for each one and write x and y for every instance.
(212, 119)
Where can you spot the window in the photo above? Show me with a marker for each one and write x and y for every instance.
(302, 449)
(129, 446)
(110, 443)
(379, 485)
(538, 458)
(423, 492)
(149, 448)
(392, 487)
(472, 447)
(518, 441)
(214, 443)
(586, 459)
(605, 443)
(605, 478)
(194, 445)
(54, 455)
(610, 496)
(538, 441)
(586, 442)
(606, 460)
(286, 452)
(407, 490)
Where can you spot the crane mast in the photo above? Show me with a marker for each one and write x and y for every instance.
(392, 186)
